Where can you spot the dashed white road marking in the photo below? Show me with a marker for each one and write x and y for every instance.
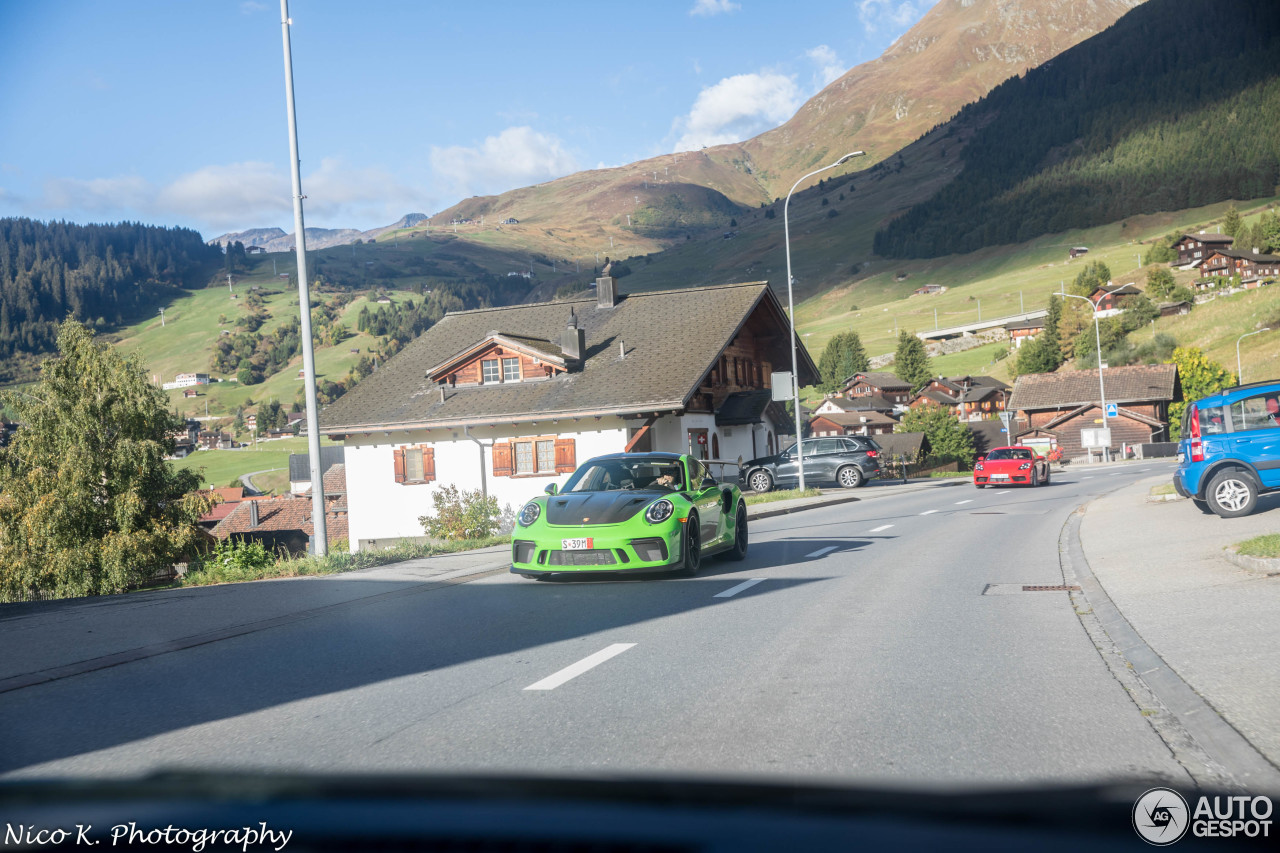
(969, 501)
(929, 512)
(881, 527)
(1090, 477)
(1005, 492)
(1116, 474)
(734, 590)
(821, 551)
(551, 682)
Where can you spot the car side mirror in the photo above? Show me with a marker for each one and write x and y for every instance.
(982, 458)
(551, 489)
(709, 482)
(1039, 458)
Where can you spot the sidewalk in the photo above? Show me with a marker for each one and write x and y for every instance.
(1212, 622)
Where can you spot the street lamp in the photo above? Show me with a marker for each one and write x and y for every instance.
(1239, 369)
(791, 308)
(1102, 390)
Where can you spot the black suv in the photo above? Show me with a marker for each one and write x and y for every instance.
(848, 460)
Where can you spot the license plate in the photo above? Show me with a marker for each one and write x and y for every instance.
(575, 544)
(999, 476)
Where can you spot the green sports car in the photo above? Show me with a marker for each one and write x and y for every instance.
(630, 512)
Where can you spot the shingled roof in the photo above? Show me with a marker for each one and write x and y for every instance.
(1069, 388)
(672, 338)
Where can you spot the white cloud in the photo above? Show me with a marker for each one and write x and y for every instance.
(707, 8)
(876, 14)
(737, 108)
(830, 67)
(226, 195)
(250, 7)
(240, 195)
(516, 157)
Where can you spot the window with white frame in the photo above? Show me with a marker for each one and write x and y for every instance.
(490, 371)
(511, 370)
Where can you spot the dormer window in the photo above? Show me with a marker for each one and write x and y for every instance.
(491, 373)
(510, 370)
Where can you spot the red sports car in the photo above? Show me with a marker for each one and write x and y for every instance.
(1011, 466)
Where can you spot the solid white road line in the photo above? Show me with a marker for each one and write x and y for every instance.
(821, 551)
(734, 590)
(551, 682)
(881, 527)
(929, 512)
(969, 501)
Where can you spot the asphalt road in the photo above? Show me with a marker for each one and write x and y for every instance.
(855, 643)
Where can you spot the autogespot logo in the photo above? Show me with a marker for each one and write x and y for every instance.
(1160, 816)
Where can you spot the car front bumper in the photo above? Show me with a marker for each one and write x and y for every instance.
(612, 550)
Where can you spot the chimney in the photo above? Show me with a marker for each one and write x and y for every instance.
(573, 342)
(253, 514)
(606, 291)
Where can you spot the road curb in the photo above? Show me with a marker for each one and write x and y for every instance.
(1260, 565)
(787, 510)
(1212, 751)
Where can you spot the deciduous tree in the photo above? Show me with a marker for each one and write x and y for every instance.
(88, 505)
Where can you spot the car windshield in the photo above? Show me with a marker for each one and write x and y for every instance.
(1006, 453)
(606, 475)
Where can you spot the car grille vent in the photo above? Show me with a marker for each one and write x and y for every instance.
(592, 557)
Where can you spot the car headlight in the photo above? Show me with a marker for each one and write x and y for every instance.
(1024, 466)
(659, 511)
(529, 514)
(977, 466)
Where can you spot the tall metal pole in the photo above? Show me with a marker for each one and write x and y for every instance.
(1239, 367)
(791, 308)
(320, 541)
(1102, 390)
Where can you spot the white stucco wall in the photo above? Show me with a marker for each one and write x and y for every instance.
(383, 510)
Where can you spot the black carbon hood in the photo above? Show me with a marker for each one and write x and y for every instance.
(596, 507)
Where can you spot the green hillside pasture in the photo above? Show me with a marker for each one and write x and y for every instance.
(1216, 326)
(979, 361)
(996, 276)
(224, 467)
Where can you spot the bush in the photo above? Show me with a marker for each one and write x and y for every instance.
(461, 515)
(230, 557)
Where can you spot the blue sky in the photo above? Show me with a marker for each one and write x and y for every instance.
(172, 111)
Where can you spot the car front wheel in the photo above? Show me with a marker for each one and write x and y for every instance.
(760, 481)
(739, 550)
(692, 548)
(850, 477)
(1232, 494)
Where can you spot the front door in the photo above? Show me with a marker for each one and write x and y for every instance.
(1255, 434)
(707, 500)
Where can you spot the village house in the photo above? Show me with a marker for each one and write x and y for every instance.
(186, 380)
(300, 466)
(284, 523)
(1076, 251)
(1174, 309)
(1023, 330)
(510, 400)
(852, 423)
(929, 290)
(1055, 407)
(1253, 268)
(840, 405)
(886, 385)
(1193, 249)
(1109, 299)
(980, 397)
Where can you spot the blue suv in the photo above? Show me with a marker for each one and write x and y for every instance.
(1230, 449)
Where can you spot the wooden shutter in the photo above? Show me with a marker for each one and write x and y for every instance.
(502, 459)
(566, 456)
(398, 453)
(428, 463)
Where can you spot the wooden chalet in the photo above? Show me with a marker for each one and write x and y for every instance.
(886, 385)
(852, 423)
(1057, 406)
(1023, 330)
(1193, 249)
(1252, 268)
